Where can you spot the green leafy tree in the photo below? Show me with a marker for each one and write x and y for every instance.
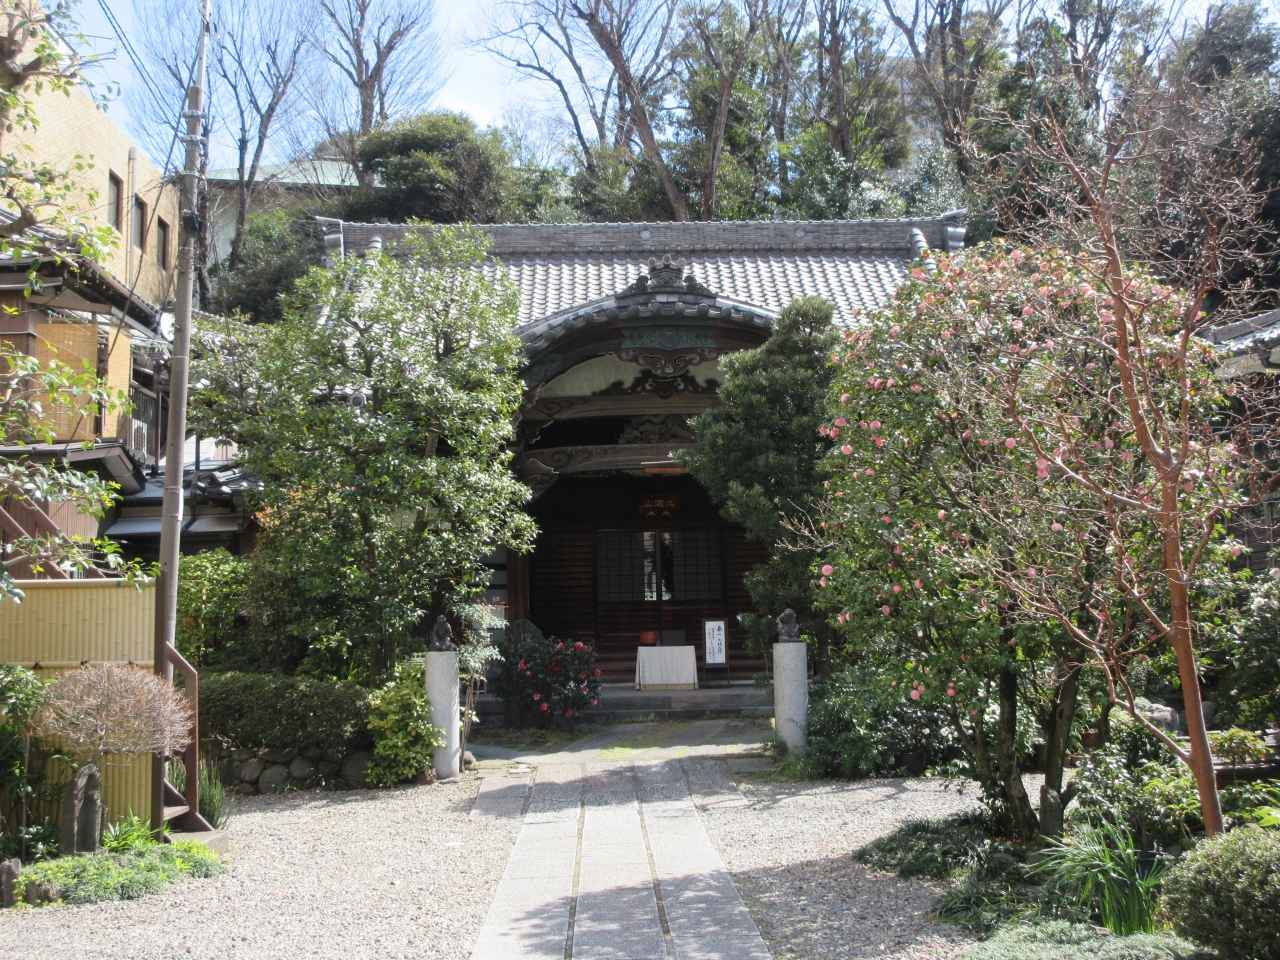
(436, 167)
(376, 416)
(759, 452)
(277, 250)
(212, 600)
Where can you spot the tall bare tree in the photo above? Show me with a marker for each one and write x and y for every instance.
(258, 56)
(638, 38)
(383, 57)
(725, 50)
(543, 39)
(951, 43)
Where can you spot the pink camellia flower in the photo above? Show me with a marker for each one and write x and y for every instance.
(1026, 311)
(874, 424)
(942, 514)
(1011, 443)
(1056, 527)
(897, 551)
(919, 584)
(967, 434)
(917, 273)
(1042, 464)
(889, 383)
(916, 388)
(951, 691)
(886, 518)
(896, 588)
(844, 398)
(984, 441)
(870, 472)
(1017, 326)
(893, 683)
(885, 609)
(1234, 551)
(1090, 366)
(879, 441)
(828, 569)
(846, 450)
(835, 433)
(841, 421)
(946, 334)
(826, 484)
(915, 694)
(822, 581)
(1042, 473)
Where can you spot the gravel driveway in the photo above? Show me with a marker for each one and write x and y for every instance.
(408, 873)
(359, 874)
(789, 853)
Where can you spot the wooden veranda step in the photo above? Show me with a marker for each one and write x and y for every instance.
(176, 811)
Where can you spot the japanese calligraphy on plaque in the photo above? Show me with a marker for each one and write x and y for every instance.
(713, 634)
(665, 506)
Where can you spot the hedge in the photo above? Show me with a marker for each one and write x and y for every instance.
(262, 711)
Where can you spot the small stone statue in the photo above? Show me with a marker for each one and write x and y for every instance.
(441, 636)
(788, 629)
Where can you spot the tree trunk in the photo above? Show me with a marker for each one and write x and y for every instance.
(1020, 810)
(1057, 736)
(83, 815)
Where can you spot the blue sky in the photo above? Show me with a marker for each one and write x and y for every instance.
(477, 84)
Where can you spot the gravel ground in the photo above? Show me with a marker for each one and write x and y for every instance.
(789, 853)
(357, 874)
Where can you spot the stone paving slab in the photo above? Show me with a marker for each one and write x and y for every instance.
(501, 797)
(613, 863)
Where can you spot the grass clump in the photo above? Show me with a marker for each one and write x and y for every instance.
(123, 875)
(1060, 940)
(216, 805)
(1100, 865)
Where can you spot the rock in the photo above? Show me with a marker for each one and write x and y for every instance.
(1166, 718)
(327, 767)
(227, 771)
(1209, 709)
(249, 771)
(241, 755)
(274, 779)
(279, 755)
(355, 767)
(302, 769)
(422, 779)
(332, 756)
(245, 789)
(468, 759)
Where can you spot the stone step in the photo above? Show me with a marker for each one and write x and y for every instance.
(215, 840)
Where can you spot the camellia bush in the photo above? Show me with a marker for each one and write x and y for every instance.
(1001, 511)
(545, 678)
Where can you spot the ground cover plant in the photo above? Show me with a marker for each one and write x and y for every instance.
(127, 874)
(1063, 940)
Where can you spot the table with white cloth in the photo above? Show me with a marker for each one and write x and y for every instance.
(666, 668)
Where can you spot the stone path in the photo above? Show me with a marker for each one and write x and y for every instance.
(612, 863)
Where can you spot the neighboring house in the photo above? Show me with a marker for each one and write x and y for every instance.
(277, 186)
(105, 316)
(623, 328)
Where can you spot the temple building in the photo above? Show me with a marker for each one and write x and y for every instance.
(623, 328)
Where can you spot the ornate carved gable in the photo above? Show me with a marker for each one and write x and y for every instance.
(667, 278)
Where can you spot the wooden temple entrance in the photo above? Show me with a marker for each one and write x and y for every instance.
(620, 557)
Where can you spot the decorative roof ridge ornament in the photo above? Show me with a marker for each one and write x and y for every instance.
(666, 276)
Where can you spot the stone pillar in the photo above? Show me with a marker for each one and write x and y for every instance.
(446, 712)
(791, 693)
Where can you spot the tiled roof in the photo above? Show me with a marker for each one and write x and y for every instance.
(1258, 334)
(856, 264)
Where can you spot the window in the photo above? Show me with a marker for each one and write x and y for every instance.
(651, 565)
(162, 244)
(138, 226)
(115, 200)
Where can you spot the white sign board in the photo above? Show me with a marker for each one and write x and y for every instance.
(713, 633)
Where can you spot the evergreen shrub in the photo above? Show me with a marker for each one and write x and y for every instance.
(545, 678)
(403, 737)
(262, 711)
(1226, 893)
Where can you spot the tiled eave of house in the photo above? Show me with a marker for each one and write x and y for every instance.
(761, 266)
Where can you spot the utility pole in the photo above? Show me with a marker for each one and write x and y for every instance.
(175, 447)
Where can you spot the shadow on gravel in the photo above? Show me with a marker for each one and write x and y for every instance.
(302, 799)
(832, 908)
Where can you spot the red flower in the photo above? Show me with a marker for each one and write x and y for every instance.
(568, 713)
(537, 696)
(597, 673)
(582, 676)
(555, 666)
(559, 646)
(520, 666)
(546, 708)
(594, 701)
